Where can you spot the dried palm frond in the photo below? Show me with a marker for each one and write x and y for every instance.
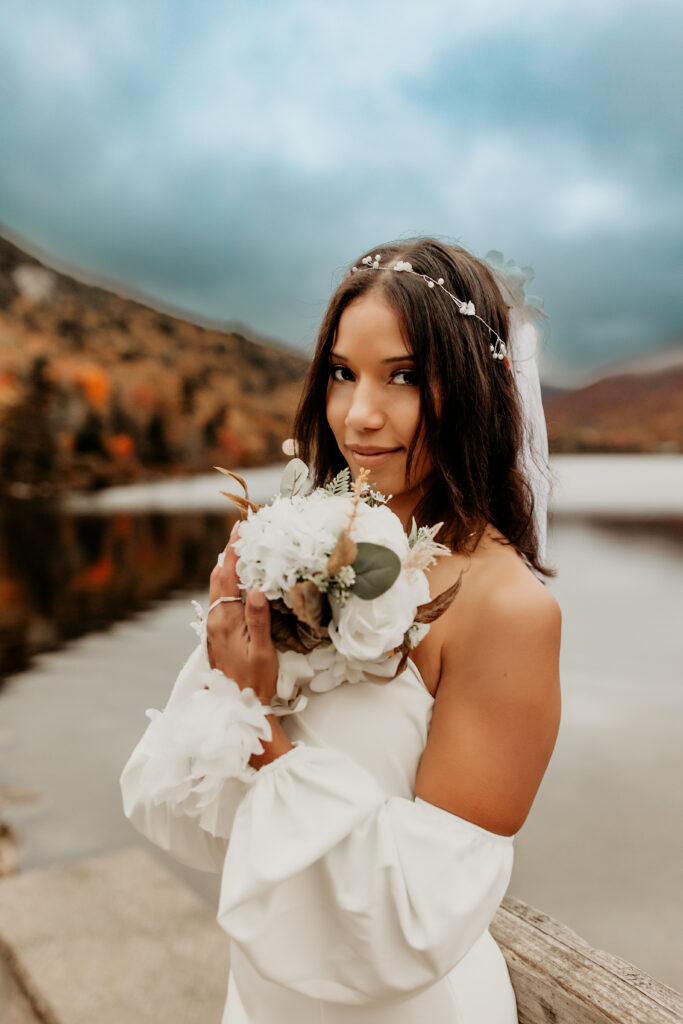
(243, 504)
(433, 609)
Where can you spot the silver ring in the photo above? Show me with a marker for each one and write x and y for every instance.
(219, 600)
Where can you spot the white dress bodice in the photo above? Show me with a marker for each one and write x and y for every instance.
(381, 726)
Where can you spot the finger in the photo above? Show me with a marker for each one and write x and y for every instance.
(224, 581)
(257, 615)
(234, 534)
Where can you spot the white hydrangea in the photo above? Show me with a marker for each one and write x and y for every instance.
(288, 540)
(292, 538)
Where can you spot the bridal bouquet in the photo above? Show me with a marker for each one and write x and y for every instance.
(347, 587)
(349, 600)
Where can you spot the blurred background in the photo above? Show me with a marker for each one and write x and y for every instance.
(181, 188)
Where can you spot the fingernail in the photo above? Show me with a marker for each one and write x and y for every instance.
(221, 558)
(258, 599)
(233, 532)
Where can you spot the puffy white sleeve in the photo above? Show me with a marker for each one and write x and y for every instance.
(337, 891)
(185, 778)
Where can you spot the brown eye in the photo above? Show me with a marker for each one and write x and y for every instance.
(337, 371)
(405, 377)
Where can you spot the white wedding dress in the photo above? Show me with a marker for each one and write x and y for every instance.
(346, 898)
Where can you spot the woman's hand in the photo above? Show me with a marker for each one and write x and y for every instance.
(239, 641)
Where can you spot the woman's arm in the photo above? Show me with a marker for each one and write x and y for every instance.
(497, 709)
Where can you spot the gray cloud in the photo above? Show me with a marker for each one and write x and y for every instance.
(232, 161)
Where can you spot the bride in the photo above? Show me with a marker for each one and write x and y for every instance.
(372, 843)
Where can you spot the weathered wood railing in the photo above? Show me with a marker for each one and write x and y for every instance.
(118, 939)
(559, 979)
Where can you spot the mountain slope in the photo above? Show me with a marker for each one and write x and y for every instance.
(624, 412)
(96, 388)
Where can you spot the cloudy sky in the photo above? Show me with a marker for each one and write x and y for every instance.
(232, 158)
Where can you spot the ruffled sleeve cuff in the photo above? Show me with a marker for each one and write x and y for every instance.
(200, 746)
(184, 780)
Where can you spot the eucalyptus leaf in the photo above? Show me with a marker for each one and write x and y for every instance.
(376, 569)
(293, 478)
(412, 536)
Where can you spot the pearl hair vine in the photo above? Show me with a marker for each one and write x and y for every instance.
(498, 347)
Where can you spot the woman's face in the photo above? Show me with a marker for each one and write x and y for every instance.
(373, 401)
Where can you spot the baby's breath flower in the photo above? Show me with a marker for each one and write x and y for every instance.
(322, 581)
(346, 576)
(374, 497)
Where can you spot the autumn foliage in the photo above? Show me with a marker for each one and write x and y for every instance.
(97, 389)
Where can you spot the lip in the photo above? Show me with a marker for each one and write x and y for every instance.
(371, 456)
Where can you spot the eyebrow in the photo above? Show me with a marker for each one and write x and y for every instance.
(407, 357)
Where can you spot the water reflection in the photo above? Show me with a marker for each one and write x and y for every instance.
(63, 575)
(659, 529)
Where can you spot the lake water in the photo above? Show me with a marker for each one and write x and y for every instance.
(602, 849)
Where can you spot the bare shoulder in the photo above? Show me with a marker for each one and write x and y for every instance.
(501, 608)
(513, 629)
(511, 600)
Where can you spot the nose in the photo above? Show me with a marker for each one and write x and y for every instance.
(365, 411)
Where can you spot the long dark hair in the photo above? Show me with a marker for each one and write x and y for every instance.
(472, 422)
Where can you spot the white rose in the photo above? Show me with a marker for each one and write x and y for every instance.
(379, 525)
(369, 629)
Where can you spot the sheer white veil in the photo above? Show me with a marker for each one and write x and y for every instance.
(523, 342)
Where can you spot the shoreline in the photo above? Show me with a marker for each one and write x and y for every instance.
(621, 486)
